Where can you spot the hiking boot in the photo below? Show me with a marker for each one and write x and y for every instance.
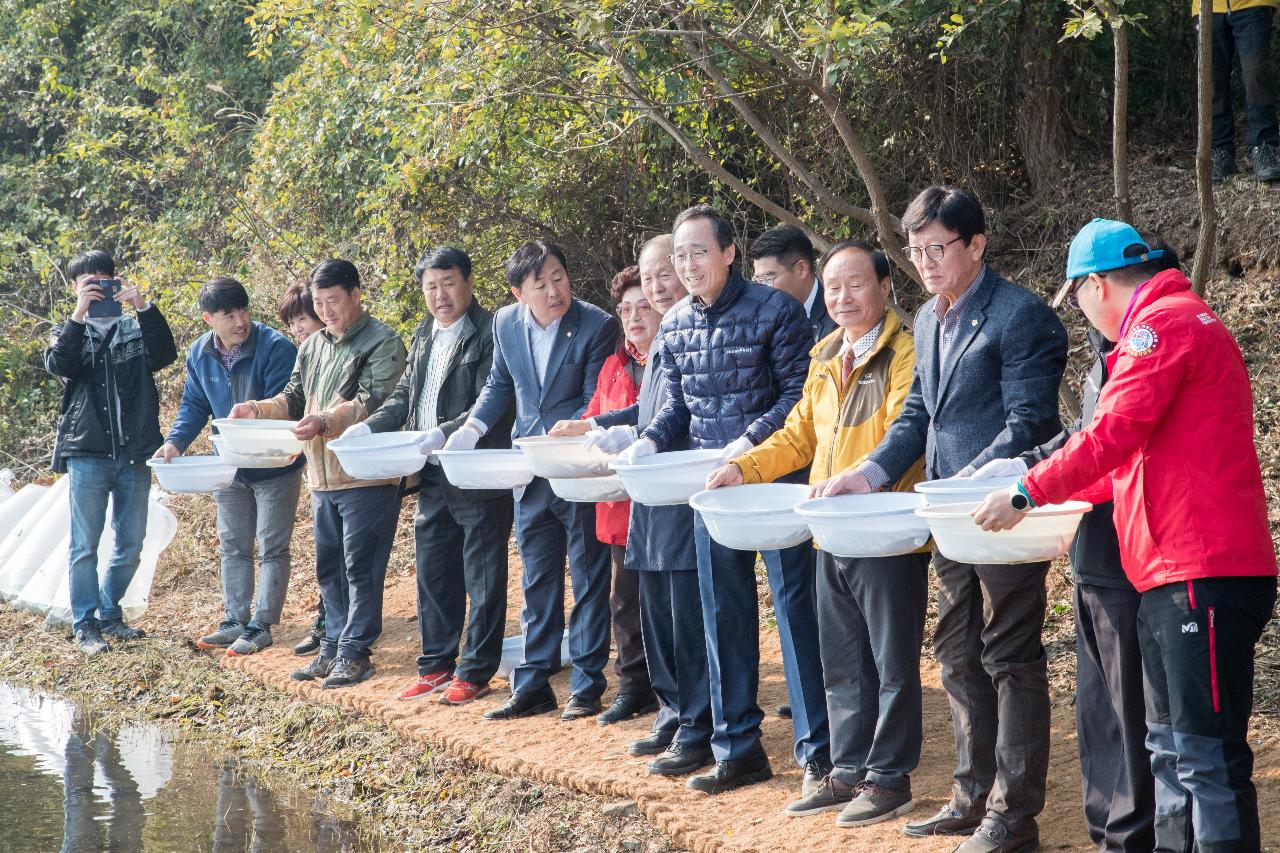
(228, 632)
(347, 672)
(948, 821)
(655, 743)
(116, 629)
(814, 773)
(252, 640)
(577, 708)
(524, 703)
(680, 759)
(1265, 167)
(994, 837)
(432, 682)
(460, 692)
(831, 796)
(628, 705)
(319, 667)
(90, 641)
(734, 773)
(310, 644)
(1224, 164)
(874, 803)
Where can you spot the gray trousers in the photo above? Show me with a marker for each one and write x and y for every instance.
(995, 673)
(266, 510)
(870, 629)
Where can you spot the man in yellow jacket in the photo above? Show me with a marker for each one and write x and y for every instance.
(870, 610)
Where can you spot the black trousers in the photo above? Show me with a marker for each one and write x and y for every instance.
(1198, 640)
(461, 553)
(1111, 727)
(870, 629)
(995, 673)
(676, 650)
(624, 606)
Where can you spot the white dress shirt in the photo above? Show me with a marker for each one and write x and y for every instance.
(540, 342)
(444, 340)
(813, 295)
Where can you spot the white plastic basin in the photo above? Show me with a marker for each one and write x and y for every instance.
(881, 524)
(588, 490)
(754, 517)
(379, 456)
(193, 474)
(251, 460)
(962, 489)
(485, 469)
(665, 479)
(258, 436)
(1045, 533)
(563, 457)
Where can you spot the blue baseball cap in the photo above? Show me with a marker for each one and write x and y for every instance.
(1100, 246)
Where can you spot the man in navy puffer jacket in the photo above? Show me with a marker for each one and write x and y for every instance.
(734, 357)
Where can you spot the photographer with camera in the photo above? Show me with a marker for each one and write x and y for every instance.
(108, 426)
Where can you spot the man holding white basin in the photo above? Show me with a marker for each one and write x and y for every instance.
(240, 359)
(989, 360)
(870, 610)
(734, 359)
(343, 372)
(460, 535)
(1172, 444)
(547, 352)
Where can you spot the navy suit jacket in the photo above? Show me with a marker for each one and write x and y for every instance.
(587, 336)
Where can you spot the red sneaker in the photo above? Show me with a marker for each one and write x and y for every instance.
(432, 682)
(461, 692)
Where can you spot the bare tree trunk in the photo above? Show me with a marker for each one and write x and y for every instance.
(1204, 157)
(1042, 140)
(1120, 122)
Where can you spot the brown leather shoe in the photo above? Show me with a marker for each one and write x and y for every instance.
(948, 821)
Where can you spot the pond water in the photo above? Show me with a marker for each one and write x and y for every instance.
(67, 784)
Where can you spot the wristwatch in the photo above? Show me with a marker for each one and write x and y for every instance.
(1020, 499)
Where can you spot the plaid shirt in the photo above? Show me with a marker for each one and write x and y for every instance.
(227, 357)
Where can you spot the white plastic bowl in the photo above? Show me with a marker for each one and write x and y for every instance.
(962, 489)
(250, 460)
(192, 474)
(880, 524)
(666, 479)
(258, 436)
(1045, 533)
(485, 469)
(379, 456)
(563, 457)
(754, 517)
(589, 489)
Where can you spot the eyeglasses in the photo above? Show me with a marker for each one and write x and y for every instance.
(634, 309)
(1072, 290)
(934, 251)
(697, 256)
(770, 277)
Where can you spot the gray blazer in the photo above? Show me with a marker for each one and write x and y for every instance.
(996, 396)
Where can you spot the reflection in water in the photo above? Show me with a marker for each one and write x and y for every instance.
(136, 789)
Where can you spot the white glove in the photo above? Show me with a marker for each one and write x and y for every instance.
(1000, 468)
(611, 440)
(736, 448)
(432, 439)
(639, 448)
(464, 438)
(356, 430)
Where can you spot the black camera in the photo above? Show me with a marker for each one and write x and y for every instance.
(107, 305)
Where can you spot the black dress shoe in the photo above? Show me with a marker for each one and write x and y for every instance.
(948, 821)
(628, 705)
(654, 744)
(734, 773)
(680, 759)
(577, 708)
(526, 703)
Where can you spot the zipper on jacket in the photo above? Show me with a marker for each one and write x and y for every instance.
(1213, 661)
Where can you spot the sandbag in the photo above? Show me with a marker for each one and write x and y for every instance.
(38, 592)
(27, 547)
(13, 509)
(513, 653)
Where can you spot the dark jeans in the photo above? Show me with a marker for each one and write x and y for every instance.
(871, 626)
(354, 529)
(1198, 640)
(676, 651)
(995, 673)
(1111, 726)
(93, 482)
(624, 605)
(1245, 35)
(461, 553)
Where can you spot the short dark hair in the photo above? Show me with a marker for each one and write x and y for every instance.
(443, 258)
(335, 272)
(724, 231)
(956, 208)
(94, 261)
(1139, 273)
(530, 258)
(223, 295)
(878, 258)
(787, 243)
(624, 281)
(296, 302)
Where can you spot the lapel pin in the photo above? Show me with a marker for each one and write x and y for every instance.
(973, 322)
(568, 334)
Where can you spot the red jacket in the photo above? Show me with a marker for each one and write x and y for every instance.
(1172, 441)
(614, 390)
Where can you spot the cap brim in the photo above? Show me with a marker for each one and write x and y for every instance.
(1061, 295)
